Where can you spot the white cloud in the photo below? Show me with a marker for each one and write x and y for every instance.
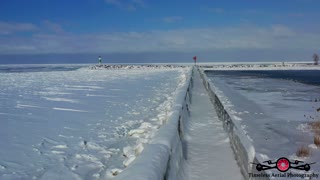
(280, 31)
(183, 40)
(11, 28)
(14, 27)
(53, 27)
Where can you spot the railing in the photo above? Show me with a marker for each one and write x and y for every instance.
(241, 145)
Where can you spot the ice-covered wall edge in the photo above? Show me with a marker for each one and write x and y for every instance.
(162, 158)
(242, 147)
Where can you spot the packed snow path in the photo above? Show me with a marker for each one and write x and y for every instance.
(209, 154)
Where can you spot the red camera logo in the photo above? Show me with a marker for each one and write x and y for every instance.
(283, 164)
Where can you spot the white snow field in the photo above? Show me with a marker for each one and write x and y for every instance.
(80, 123)
(272, 112)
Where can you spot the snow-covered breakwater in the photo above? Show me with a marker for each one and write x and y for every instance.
(162, 158)
(142, 66)
(241, 145)
(82, 123)
(263, 66)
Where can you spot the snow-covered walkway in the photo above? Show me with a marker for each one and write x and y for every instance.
(209, 154)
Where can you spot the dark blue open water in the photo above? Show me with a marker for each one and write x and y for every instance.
(303, 76)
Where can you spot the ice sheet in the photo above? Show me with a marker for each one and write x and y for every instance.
(272, 112)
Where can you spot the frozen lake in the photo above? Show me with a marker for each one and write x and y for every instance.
(74, 123)
(273, 108)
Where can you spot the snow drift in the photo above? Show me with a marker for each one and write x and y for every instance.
(162, 158)
(60, 122)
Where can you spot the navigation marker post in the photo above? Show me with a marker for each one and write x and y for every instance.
(195, 60)
(100, 60)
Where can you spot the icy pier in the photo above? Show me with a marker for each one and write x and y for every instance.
(209, 154)
(140, 66)
(191, 145)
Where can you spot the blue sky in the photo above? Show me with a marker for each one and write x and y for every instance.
(231, 30)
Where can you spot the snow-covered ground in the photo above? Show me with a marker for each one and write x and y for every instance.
(69, 123)
(135, 66)
(262, 66)
(273, 112)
